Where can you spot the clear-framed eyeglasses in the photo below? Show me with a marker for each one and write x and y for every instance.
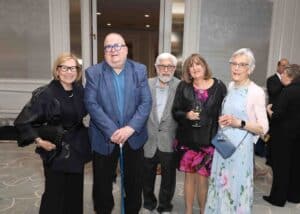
(164, 67)
(239, 65)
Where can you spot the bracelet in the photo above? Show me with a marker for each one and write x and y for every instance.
(37, 140)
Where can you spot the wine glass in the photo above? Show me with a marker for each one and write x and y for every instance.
(197, 108)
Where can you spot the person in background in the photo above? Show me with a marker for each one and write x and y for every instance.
(161, 130)
(243, 119)
(274, 84)
(59, 102)
(196, 108)
(285, 119)
(274, 87)
(118, 99)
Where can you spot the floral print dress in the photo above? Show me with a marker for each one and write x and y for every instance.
(231, 182)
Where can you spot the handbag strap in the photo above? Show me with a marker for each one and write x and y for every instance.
(221, 130)
(242, 139)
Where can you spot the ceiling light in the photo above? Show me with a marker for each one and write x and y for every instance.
(108, 24)
(147, 26)
(147, 15)
(98, 13)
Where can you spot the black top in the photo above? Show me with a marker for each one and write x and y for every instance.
(286, 116)
(274, 87)
(53, 105)
(184, 99)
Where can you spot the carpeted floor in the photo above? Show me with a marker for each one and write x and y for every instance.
(21, 185)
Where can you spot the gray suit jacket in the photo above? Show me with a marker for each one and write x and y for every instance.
(161, 134)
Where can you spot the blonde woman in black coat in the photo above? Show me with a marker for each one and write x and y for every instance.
(59, 103)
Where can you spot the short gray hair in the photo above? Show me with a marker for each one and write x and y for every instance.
(168, 56)
(247, 52)
(293, 71)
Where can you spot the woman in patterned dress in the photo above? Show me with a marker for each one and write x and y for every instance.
(195, 129)
(243, 119)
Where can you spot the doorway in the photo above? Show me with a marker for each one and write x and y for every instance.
(137, 21)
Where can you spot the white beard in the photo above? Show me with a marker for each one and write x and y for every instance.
(165, 79)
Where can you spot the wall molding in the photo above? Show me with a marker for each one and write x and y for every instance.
(15, 93)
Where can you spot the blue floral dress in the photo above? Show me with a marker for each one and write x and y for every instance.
(231, 182)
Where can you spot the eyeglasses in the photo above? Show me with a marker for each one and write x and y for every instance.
(239, 65)
(65, 68)
(115, 47)
(164, 67)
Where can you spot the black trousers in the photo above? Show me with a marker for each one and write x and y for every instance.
(63, 193)
(168, 181)
(286, 175)
(104, 167)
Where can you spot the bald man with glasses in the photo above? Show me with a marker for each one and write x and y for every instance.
(118, 99)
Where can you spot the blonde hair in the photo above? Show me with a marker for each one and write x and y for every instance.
(195, 58)
(61, 59)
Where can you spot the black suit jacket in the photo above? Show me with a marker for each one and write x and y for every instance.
(274, 87)
(286, 116)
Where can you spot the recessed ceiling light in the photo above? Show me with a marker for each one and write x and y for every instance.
(108, 24)
(147, 26)
(147, 15)
(98, 13)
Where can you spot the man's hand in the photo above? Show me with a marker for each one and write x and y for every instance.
(121, 135)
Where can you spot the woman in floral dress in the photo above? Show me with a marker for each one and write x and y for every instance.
(195, 129)
(243, 120)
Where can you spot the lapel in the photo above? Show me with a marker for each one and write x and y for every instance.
(277, 79)
(154, 103)
(169, 100)
(77, 100)
(129, 87)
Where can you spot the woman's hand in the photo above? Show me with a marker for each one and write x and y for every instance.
(45, 144)
(229, 120)
(191, 115)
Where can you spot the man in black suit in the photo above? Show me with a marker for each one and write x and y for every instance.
(274, 87)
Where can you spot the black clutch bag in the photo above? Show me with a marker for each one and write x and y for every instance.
(54, 134)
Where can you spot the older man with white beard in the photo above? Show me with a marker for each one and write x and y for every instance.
(161, 130)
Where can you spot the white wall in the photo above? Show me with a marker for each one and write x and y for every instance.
(15, 89)
(228, 25)
(32, 34)
(285, 33)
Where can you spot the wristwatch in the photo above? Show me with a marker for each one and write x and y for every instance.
(243, 124)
